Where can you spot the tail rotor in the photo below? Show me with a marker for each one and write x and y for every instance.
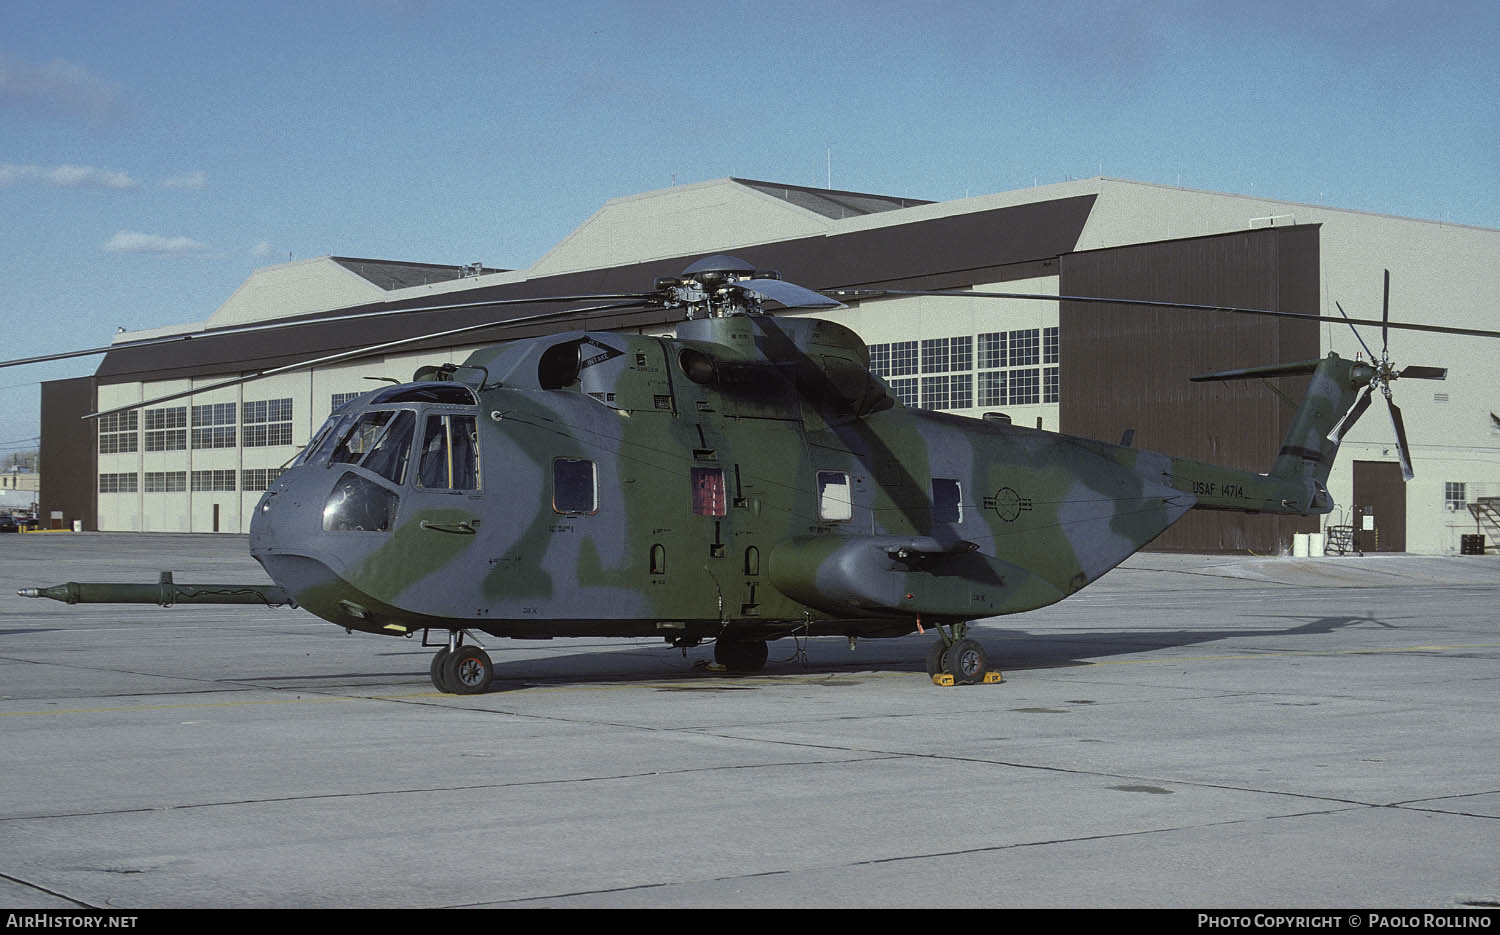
(1383, 375)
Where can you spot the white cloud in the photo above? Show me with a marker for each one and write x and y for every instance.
(264, 250)
(65, 176)
(137, 242)
(196, 181)
(58, 88)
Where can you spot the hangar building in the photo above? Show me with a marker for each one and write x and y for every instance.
(198, 463)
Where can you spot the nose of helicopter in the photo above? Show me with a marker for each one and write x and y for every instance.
(283, 532)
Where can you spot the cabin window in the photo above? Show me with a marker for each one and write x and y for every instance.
(834, 499)
(575, 486)
(947, 501)
(450, 454)
(708, 491)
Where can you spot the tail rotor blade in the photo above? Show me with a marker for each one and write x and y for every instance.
(1385, 316)
(1424, 373)
(1361, 403)
(1401, 450)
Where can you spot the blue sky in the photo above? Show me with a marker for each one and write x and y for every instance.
(153, 154)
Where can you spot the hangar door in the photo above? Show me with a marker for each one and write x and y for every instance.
(1379, 507)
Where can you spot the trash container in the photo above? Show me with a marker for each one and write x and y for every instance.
(1471, 545)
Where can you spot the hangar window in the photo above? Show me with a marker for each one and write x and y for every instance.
(1024, 347)
(935, 393)
(991, 350)
(268, 422)
(906, 391)
(213, 480)
(935, 358)
(213, 426)
(992, 388)
(992, 368)
(117, 432)
(119, 483)
(1025, 387)
(903, 358)
(575, 486)
(835, 501)
(258, 478)
(166, 481)
(166, 429)
(960, 391)
(961, 353)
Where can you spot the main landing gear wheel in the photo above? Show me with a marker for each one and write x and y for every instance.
(966, 662)
(741, 655)
(439, 667)
(935, 654)
(468, 671)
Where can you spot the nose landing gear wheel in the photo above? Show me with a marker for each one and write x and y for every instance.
(438, 670)
(468, 671)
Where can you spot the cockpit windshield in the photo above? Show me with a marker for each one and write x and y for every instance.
(380, 440)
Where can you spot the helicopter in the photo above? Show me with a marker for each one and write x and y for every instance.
(745, 480)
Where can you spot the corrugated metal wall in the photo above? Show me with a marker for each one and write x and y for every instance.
(1128, 367)
(69, 459)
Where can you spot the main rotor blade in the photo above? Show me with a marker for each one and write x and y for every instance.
(788, 293)
(1402, 451)
(1361, 403)
(368, 351)
(857, 294)
(1250, 373)
(1356, 331)
(329, 319)
(1423, 373)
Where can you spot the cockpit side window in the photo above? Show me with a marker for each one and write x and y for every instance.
(317, 450)
(450, 453)
(361, 437)
(392, 452)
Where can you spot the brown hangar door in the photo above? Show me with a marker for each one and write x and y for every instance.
(1379, 507)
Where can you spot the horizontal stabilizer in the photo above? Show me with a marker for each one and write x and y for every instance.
(1301, 368)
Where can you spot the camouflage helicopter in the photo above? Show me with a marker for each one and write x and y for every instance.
(746, 480)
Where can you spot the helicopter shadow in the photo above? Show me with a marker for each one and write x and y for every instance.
(828, 660)
(1040, 649)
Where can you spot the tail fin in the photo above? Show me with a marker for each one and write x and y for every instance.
(1336, 397)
